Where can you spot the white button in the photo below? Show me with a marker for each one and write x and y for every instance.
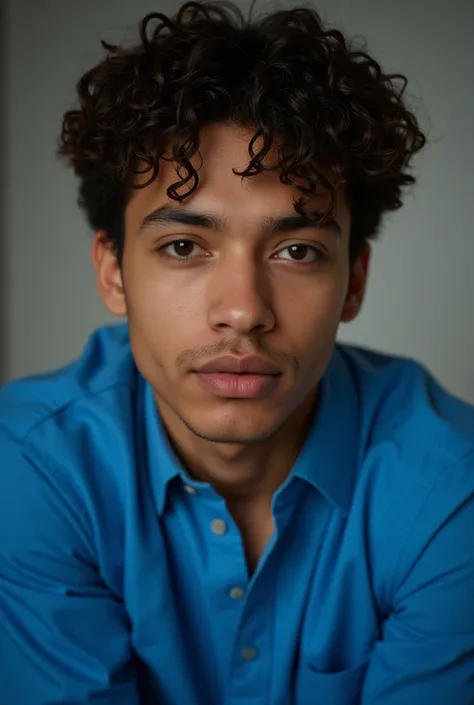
(236, 593)
(189, 489)
(218, 527)
(249, 654)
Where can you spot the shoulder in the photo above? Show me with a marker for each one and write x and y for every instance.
(416, 476)
(400, 400)
(67, 451)
(76, 419)
(104, 367)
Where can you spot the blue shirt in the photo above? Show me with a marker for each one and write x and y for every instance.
(122, 581)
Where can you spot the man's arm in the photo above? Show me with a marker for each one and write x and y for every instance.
(426, 652)
(63, 635)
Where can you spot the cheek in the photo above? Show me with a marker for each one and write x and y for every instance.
(163, 314)
(309, 322)
(313, 306)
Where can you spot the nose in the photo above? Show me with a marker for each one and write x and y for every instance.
(240, 299)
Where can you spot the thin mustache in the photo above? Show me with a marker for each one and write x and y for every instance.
(193, 357)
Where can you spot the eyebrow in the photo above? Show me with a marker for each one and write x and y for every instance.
(169, 215)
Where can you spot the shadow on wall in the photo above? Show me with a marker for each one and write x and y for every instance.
(4, 37)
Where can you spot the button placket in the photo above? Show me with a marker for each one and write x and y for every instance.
(230, 578)
(227, 575)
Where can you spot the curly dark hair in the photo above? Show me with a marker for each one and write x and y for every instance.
(325, 105)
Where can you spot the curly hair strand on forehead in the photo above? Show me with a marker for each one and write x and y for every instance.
(326, 106)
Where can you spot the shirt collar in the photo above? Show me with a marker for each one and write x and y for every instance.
(328, 458)
(163, 462)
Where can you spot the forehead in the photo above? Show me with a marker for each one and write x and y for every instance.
(223, 149)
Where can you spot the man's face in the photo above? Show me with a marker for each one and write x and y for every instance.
(195, 291)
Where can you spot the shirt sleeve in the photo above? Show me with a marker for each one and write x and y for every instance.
(64, 636)
(426, 650)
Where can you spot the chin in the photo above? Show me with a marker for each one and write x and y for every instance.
(242, 429)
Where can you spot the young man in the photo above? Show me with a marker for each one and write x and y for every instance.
(216, 504)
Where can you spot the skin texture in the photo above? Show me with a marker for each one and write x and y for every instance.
(241, 292)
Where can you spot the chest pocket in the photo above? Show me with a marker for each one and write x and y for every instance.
(340, 688)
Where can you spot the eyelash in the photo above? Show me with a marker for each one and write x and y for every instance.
(319, 254)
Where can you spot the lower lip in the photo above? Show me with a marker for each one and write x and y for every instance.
(235, 386)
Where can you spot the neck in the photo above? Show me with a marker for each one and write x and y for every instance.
(241, 473)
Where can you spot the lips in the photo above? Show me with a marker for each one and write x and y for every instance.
(232, 377)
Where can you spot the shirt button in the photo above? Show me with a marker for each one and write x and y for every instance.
(249, 654)
(236, 593)
(218, 527)
(189, 489)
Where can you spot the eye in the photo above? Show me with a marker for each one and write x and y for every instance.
(301, 253)
(180, 250)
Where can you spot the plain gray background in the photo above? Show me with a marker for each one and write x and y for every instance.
(421, 289)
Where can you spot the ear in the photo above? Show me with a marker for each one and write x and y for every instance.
(357, 286)
(108, 275)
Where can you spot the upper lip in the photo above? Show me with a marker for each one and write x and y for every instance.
(240, 365)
